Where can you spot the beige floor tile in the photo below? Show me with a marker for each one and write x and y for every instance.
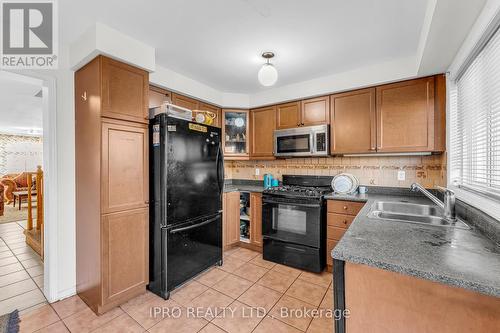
(33, 308)
(11, 268)
(260, 296)
(183, 324)
(251, 272)
(28, 255)
(186, 293)
(22, 301)
(122, 324)
(38, 319)
(18, 245)
(13, 277)
(277, 281)
(232, 286)
(139, 300)
(17, 288)
(6, 254)
(57, 327)
(307, 292)
(245, 254)
(4, 249)
(232, 263)
(35, 270)
(291, 311)
(323, 279)
(287, 270)
(210, 303)
(231, 251)
(211, 277)
(86, 320)
(262, 263)
(321, 325)
(327, 302)
(69, 306)
(24, 249)
(7, 261)
(239, 318)
(142, 310)
(39, 280)
(211, 328)
(271, 325)
(31, 263)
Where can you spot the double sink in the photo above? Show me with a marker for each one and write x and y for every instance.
(413, 213)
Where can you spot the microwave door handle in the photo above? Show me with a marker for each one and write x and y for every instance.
(311, 142)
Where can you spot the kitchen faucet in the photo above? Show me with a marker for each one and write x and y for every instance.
(449, 200)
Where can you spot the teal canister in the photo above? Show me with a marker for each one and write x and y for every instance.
(268, 181)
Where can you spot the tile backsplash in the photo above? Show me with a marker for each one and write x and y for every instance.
(382, 171)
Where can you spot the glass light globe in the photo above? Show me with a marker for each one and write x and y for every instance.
(268, 75)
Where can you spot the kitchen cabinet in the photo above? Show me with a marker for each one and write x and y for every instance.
(405, 116)
(111, 166)
(288, 115)
(235, 134)
(256, 219)
(353, 122)
(124, 91)
(158, 96)
(262, 126)
(340, 215)
(231, 219)
(185, 102)
(315, 111)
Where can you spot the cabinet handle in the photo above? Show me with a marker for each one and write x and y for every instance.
(146, 202)
(345, 207)
(345, 221)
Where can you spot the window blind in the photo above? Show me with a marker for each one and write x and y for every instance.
(475, 123)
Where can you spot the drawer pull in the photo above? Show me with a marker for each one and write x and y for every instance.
(345, 221)
(345, 207)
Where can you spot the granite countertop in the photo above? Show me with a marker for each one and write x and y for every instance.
(240, 185)
(457, 257)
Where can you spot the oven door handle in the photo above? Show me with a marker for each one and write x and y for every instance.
(174, 231)
(266, 201)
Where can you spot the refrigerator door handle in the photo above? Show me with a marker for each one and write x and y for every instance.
(220, 169)
(174, 231)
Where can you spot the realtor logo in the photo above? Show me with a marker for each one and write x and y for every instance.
(29, 34)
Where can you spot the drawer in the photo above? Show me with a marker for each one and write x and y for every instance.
(339, 220)
(330, 244)
(335, 233)
(344, 207)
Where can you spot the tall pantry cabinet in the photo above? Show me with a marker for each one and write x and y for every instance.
(112, 223)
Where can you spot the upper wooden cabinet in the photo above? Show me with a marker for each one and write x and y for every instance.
(353, 127)
(158, 96)
(406, 117)
(124, 91)
(262, 125)
(309, 112)
(210, 108)
(185, 102)
(288, 115)
(235, 134)
(315, 111)
(195, 105)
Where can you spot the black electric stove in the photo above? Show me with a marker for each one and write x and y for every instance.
(294, 222)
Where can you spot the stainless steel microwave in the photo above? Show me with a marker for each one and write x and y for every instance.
(302, 141)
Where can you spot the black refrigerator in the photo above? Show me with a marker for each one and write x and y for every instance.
(187, 178)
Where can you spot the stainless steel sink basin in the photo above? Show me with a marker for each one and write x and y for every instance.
(412, 213)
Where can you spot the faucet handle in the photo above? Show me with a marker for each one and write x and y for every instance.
(444, 189)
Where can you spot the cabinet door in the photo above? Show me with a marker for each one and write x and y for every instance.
(256, 219)
(124, 167)
(262, 125)
(158, 96)
(353, 117)
(405, 116)
(235, 134)
(315, 111)
(124, 91)
(214, 109)
(231, 218)
(288, 115)
(125, 253)
(185, 102)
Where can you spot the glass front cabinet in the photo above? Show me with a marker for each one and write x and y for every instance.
(235, 131)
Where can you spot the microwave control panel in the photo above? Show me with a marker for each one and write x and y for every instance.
(320, 142)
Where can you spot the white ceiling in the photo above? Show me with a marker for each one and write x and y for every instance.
(20, 110)
(219, 42)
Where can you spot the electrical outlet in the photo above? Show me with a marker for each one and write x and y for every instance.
(257, 172)
(401, 175)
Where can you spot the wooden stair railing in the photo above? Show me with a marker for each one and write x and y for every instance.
(34, 236)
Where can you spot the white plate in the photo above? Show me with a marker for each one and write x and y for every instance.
(344, 183)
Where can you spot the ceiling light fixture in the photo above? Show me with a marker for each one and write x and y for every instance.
(268, 75)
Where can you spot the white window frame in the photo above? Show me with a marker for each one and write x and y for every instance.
(480, 201)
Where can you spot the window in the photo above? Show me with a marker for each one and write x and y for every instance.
(475, 123)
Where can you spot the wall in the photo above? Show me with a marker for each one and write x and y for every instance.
(19, 153)
(382, 171)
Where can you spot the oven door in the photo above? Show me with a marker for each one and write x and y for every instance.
(295, 221)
